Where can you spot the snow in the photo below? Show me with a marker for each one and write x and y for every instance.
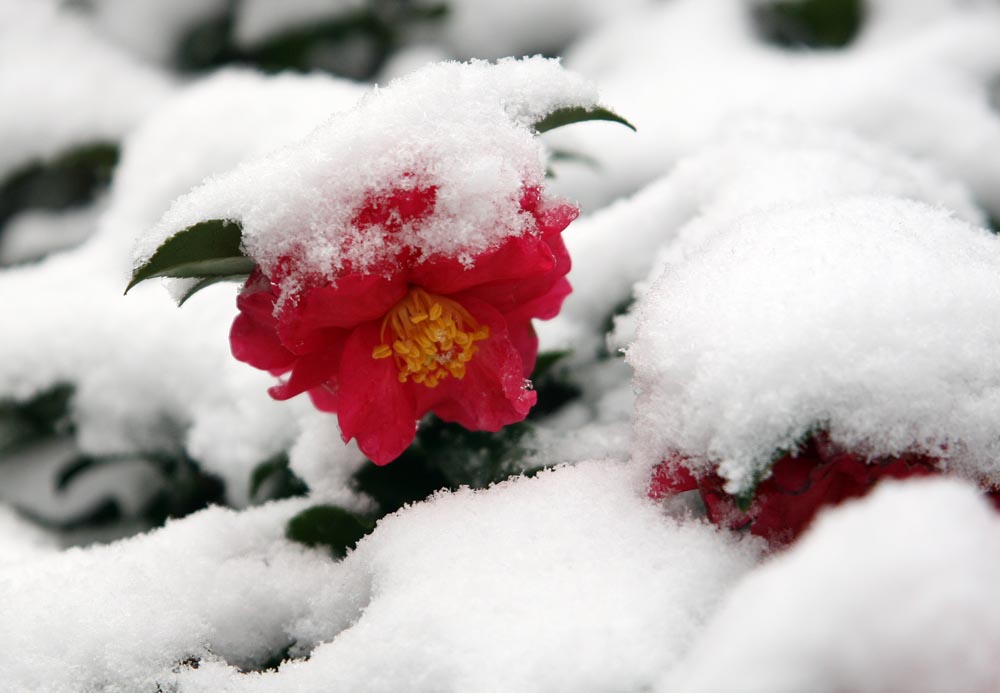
(680, 70)
(113, 618)
(892, 593)
(454, 580)
(485, 29)
(151, 29)
(792, 238)
(753, 164)
(33, 234)
(864, 316)
(66, 320)
(53, 88)
(461, 128)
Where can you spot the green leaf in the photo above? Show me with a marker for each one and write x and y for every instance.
(273, 479)
(330, 526)
(207, 249)
(44, 416)
(69, 180)
(546, 360)
(208, 281)
(578, 114)
(810, 24)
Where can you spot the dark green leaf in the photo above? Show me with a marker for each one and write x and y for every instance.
(809, 24)
(208, 281)
(546, 360)
(68, 180)
(75, 467)
(273, 479)
(44, 416)
(566, 155)
(578, 114)
(409, 479)
(207, 249)
(102, 514)
(330, 526)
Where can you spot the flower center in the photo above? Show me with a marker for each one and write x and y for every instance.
(430, 337)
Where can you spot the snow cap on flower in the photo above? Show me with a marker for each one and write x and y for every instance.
(400, 253)
(462, 130)
(870, 318)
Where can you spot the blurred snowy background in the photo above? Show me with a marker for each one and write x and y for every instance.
(801, 231)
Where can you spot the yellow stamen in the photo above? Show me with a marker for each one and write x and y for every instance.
(430, 338)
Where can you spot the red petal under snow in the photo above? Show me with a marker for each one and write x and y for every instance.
(525, 341)
(373, 406)
(551, 215)
(671, 477)
(492, 394)
(519, 258)
(313, 369)
(257, 344)
(354, 299)
(513, 296)
(252, 337)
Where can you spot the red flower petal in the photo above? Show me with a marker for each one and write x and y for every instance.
(492, 394)
(354, 299)
(313, 369)
(373, 406)
(257, 344)
(552, 216)
(252, 338)
(518, 258)
(397, 207)
(520, 294)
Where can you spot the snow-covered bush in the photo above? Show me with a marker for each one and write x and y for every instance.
(460, 399)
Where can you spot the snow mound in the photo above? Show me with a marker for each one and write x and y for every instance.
(867, 317)
(918, 81)
(612, 589)
(895, 592)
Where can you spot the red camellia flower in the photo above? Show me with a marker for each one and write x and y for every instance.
(800, 484)
(383, 347)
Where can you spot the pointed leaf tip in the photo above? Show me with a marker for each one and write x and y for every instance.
(578, 114)
(209, 249)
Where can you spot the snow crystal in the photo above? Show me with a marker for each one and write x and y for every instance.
(51, 65)
(896, 592)
(460, 128)
(681, 69)
(612, 589)
(866, 317)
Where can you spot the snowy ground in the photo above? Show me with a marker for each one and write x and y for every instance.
(792, 239)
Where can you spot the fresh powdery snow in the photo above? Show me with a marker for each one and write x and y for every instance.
(681, 69)
(866, 317)
(892, 593)
(51, 66)
(67, 322)
(794, 240)
(463, 129)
